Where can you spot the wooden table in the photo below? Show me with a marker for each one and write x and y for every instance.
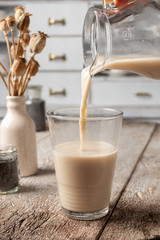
(34, 212)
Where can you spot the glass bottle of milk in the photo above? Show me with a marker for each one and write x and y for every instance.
(126, 37)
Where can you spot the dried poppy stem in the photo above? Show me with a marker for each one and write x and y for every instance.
(21, 85)
(15, 86)
(25, 80)
(4, 69)
(8, 76)
(9, 82)
(5, 83)
(32, 71)
(10, 57)
(12, 33)
(9, 90)
(9, 49)
(26, 84)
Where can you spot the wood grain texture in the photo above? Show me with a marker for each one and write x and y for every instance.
(137, 215)
(34, 212)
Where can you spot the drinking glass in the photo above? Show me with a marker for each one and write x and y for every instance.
(85, 176)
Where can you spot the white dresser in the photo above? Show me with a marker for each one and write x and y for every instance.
(62, 61)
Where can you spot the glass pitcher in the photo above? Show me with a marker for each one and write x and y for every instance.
(126, 38)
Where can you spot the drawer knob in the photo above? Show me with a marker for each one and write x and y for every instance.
(52, 93)
(143, 94)
(52, 21)
(53, 57)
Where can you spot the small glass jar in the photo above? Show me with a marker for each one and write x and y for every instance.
(9, 173)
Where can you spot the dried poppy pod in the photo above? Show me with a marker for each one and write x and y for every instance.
(23, 22)
(33, 68)
(38, 42)
(4, 26)
(18, 50)
(19, 10)
(32, 39)
(10, 21)
(18, 66)
(25, 38)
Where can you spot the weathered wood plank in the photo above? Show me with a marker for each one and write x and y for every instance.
(137, 215)
(34, 212)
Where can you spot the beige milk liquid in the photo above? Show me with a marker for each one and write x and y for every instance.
(149, 67)
(84, 177)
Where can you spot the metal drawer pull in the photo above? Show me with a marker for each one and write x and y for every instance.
(52, 93)
(52, 21)
(143, 94)
(54, 57)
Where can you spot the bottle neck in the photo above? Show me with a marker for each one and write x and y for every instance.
(16, 103)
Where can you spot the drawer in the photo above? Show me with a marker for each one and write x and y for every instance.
(68, 53)
(54, 86)
(66, 18)
(125, 93)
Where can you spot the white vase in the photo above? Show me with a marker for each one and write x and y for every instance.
(18, 128)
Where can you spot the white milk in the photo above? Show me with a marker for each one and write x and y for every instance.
(148, 67)
(84, 177)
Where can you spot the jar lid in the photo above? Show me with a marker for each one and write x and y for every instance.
(7, 149)
(39, 87)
